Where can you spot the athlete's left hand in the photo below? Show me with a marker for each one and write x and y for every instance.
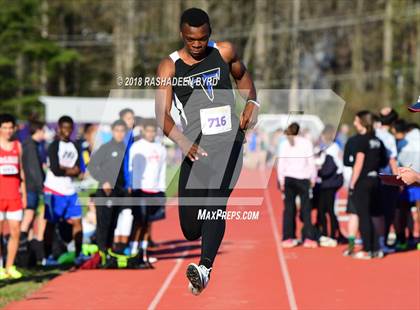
(249, 116)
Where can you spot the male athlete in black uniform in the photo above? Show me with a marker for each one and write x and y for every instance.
(212, 136)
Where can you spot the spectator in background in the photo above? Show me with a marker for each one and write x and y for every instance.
(32, 165)
(370, 156)
(147, 166)
(138, 128)
(127, 115)
(388, 194)
(122, 233)
(297, 174)
(256, 154)
(12, 194)
(85, 145)
(61, 200)
(23, 131)
(353, 222)
(399, 130)
(106, 167)
(330, 172)
(342, 136)
(408, 156)
(273, 146)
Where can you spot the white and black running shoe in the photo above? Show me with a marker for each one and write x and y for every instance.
(198, 276)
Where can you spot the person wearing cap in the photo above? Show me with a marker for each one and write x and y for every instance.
(415, 107)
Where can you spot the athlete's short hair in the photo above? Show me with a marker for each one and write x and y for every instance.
(87, 127)
(65, 119)
(119, 123)
(34, 126)
(149, 122)
(194, 17)
(400, 126)
(7, 118)
(293, 129)
(125, 111)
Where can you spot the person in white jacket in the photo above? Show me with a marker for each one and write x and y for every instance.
(147, 169)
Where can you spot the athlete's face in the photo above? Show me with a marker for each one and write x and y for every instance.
(118, 133)
(65, 130)
(7, 130)
(195, 39)
(149, 133)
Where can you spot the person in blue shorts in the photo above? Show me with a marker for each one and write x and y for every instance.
(61, 200)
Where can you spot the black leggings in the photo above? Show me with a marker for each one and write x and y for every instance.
(365, 197)
(106, 220)
(207, 184)
(326, 205)
(292, 188)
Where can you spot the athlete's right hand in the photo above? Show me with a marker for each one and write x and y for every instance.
(192, 150)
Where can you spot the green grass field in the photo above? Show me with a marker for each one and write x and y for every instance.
(13, 290)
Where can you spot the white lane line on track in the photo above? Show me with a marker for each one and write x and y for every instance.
(167, 281)
(280, 254)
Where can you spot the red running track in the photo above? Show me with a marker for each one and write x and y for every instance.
(251, 271)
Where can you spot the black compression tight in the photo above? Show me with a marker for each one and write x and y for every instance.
(206, 185)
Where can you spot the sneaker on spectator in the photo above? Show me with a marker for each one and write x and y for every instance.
(401, 246)
(310, 244)
(289, 243)
(50, 261)
(327, 242)
(387, 250)
(348, 252)
(152, 259)
(3, 274)
(378, 254)
(13, 273)
(362, 255)
(323, 238)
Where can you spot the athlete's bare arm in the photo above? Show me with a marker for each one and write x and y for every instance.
(163, 105)
(71, 172)
(244, 83)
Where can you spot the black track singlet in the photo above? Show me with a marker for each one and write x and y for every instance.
(206, 104)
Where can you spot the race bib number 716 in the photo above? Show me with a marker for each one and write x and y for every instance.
(216, 120)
